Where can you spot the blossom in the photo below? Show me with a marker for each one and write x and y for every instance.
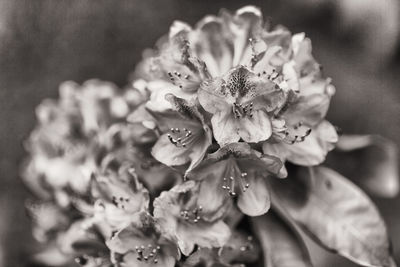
(301, 134)
(142, 244)
(72, 134)
(118, 196)
(180, 214)
(238, 171)
(185, 137)
(240, 103)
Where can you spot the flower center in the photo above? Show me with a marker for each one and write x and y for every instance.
(146, 253)
(230, 183)
(240, 110)
(181, 137)
(193, 215)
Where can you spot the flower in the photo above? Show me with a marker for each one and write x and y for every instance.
(73, 133)
(141, 244)
(180, 214)
(185, 135)
(238, 171)
(301, 134)
(118, 196)
(240, 103)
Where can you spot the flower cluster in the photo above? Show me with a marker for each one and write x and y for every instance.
(168, 171)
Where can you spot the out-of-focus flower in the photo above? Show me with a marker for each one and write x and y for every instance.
(142, 244)
(74, 132)
(237, 170)
(118, 196)
(180, 214)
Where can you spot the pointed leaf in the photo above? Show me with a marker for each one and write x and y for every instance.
(335, 213)
(282, 246)
(370, 161)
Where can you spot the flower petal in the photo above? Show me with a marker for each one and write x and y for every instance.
(213, 98)
(243, 25)
(256, 200)
(159, 89)
(165, 152)
(313, 150)
(211, 45)
(206, 236)
(225, 128)
(255, 129)
(307, 109)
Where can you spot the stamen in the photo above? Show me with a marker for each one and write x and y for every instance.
(193, 216)
(248, 245)
(120, 202)
(297, 133)
(182, 137)
(147, 253)
(244, 181)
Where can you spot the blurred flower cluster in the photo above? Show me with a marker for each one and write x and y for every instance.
(185, 166)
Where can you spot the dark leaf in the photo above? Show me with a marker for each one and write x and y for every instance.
(336, 213)
(281, 244)
(370, 161)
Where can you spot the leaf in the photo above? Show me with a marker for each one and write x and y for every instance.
(336, 213)
(281, 244)
(370, 161)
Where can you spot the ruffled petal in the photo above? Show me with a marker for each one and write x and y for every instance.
(213, 96)
(159, 89)
(212, 46)
(313, 150)
(245, 24)
(206, 236)
(309, 110)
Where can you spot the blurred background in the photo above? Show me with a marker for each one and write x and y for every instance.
(45, 42)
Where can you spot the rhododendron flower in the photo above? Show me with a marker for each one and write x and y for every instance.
(118, 196)
(237, 170)
(180, 214)
(185, 135)
(240, 102)
(142, 244)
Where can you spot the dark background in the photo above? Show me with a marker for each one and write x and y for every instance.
(45, 42)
